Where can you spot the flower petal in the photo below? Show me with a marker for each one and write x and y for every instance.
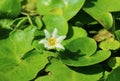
(42, 41)
(60, 46)
(50, 47)
(47, 34)
(47, 46)
(54, 34)
(60, 39)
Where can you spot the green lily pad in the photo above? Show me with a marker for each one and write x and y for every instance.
(84, 45)
(12, 48)
(68, 7)
(108, 7)
(29, 67)
(110, 44)
(73, 74)
(103, 7)
(17, 57)
(75, 59)
(104, 18)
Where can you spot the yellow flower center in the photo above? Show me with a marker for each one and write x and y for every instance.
(52, 42)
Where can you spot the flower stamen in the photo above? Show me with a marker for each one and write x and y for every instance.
(52, 42)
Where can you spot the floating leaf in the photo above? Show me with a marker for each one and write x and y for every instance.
(108, 7)
(75, 59)
(109, 44)
(97, 6)
(16, 45)
(85, 45)
(17, 60)
(29, 67)
(104, 18)
(92, 73)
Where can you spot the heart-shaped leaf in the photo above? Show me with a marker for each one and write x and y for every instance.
(85, 45)
(104, 18)
(97, 6)
(29, 67)
(92, 73)
(17, 60)
(14, 48)
(75, 59)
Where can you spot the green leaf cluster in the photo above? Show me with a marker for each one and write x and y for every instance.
(92, 43)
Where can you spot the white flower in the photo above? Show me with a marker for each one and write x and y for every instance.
(52, 41)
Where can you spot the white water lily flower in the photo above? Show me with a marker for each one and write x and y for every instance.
(52, 41)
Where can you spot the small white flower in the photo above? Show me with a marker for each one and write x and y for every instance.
(52, 41)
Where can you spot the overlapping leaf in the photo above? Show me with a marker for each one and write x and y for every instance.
(17, 61)
(85, 45)
(29, 67)
(76, 59)
(64, 73)
(14, 48)
(100, 10)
